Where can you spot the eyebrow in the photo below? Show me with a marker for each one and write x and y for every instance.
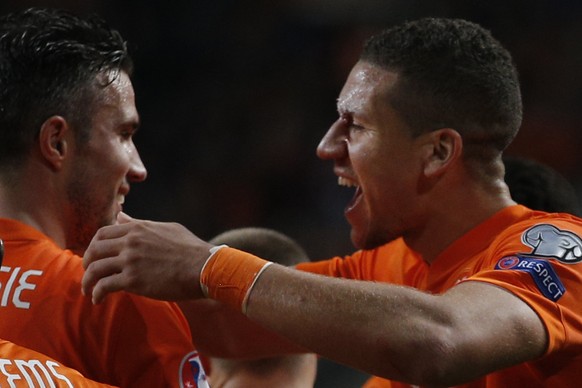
(349, 107)
(342, 106)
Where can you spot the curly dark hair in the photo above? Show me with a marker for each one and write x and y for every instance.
(50, 62)
(451, 74)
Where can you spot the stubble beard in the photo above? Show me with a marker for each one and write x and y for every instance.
(89, 212)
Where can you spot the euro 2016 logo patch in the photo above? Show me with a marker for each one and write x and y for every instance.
(548, 241)
(192, 373)
(542, 272)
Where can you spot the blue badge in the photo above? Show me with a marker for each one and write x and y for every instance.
(540, 270)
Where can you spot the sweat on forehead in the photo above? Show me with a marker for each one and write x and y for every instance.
(365, 80)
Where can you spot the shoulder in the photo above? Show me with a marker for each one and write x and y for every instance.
(555, 235)
(538, 222)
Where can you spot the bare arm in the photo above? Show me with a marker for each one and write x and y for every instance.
(233, 334)
(386, 330)
(399, 332)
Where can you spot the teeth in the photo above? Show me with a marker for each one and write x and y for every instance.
(121, 199)
(346, 182)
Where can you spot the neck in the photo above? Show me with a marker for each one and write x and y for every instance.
(454, 214)
(32, 202)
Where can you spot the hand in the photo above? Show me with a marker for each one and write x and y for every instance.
(154, 259)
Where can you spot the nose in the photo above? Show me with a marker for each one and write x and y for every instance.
(333, 143)
(137, 171)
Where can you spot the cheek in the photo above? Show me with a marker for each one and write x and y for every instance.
(116, 162)
(389, 184)
(380, 167)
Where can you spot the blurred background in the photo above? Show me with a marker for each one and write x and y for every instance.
(235, 95)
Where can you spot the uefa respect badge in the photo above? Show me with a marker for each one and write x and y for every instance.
(541, 270)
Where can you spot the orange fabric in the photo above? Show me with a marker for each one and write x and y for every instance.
(474, 257)
(229, 274)
(24, 367)
(127, 340)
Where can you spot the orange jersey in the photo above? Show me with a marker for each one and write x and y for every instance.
(127, 340)
(24, 367)
(537, 256)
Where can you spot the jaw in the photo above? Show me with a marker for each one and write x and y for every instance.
(364, 234)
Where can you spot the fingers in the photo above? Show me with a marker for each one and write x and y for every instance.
(114, 231)
(106, 243)
(106, 286)
(99, 271)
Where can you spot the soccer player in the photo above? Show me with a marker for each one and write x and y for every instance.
(67, 161)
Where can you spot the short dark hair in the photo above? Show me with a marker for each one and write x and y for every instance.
(50, 61)
(451, 74)
(264, 242)
(540, 187)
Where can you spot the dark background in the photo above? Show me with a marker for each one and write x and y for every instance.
(235, 95)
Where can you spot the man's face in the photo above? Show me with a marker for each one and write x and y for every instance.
(373, 151)
(104, 167)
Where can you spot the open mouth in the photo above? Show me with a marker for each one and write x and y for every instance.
(346, 182)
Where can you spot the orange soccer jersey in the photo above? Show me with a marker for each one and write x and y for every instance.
(24, 367)
(535, 255)
(127, 340)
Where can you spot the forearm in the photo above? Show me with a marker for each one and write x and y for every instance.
(398, 332)
(233, 334)
(386, 330)
(355, 323)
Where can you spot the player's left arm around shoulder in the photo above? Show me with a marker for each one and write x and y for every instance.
(399, 332)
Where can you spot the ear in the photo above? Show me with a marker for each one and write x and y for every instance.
(444, 146)
(53, 136)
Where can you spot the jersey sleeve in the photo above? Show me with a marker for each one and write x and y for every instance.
(542, 265)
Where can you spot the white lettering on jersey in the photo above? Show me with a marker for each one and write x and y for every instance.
(10, 377)
(23, 284)
(52, 366)
(34, 372)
